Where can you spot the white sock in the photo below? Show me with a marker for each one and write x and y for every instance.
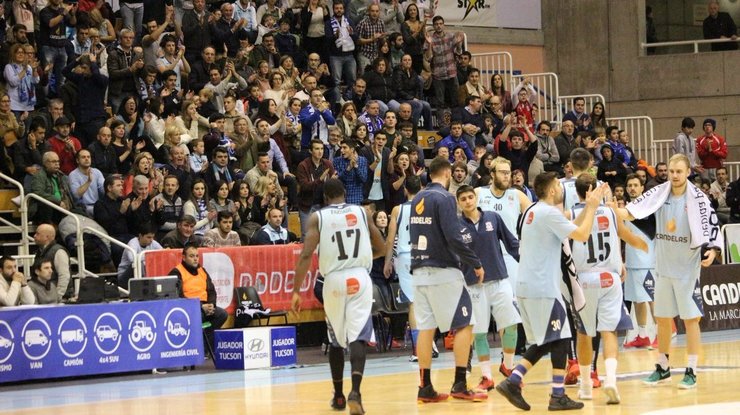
(663, 361)
(509, 360)
(585, 373)
(693, 360)
(642, 331)
(611, 371)
(485, 369)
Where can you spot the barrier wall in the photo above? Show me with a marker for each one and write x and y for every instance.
(41, 342)
(271, 269)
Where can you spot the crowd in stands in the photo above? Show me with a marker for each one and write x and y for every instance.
(207, 124)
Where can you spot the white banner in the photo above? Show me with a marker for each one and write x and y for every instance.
(514, 14)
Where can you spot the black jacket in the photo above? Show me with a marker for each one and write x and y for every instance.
(407, 85)
(103, 158)
(379, 86)
(107, 213)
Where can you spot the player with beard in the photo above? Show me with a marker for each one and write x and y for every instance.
(509, 203)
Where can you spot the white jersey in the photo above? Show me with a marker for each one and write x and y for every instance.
(344, 239)
(507, 206)
(570, 196)
(403, 236)
(602, 251)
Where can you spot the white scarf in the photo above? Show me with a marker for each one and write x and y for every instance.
(703, 221)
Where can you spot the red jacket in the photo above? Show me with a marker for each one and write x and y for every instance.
(711, 159)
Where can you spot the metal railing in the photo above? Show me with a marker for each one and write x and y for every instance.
(566, 102)
(640, 131)
(663, 150)
(136, 264)
(23, 228)
(78, 229)
(694, 43)
(548, 93)
(493, 63)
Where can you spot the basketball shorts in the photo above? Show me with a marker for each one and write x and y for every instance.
(678, 297)
(544, 319)
(639, 286)
(604, 310)
(403, 270)
(348, 299)
(497, 298)
(446, 305)
(512, 268)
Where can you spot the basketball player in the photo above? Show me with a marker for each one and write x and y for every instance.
(509, 203)
(639, 286)
(347, 243)
(486, 233)
(678, 261)
(441, 299)
(599, 264)
(399, 241)
(581, 162)
(543, 228)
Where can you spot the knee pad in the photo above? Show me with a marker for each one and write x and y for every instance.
(481, 345)
(510, 337)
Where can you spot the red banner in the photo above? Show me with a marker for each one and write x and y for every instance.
(271, 269)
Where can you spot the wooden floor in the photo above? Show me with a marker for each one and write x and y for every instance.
(388, 388)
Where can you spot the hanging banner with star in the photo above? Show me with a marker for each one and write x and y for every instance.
(514, 14)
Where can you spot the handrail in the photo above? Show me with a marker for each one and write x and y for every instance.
(23, 210)
(103, 235)
(696, 43)
(78, 228)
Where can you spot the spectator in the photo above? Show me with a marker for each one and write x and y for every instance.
(247, 210)
(110, 213)
(459, 176)
(224, 31)
(630, 161)
(221, 85)
(392, 15)
(182, 236)
(732, 198)
(357, 94)
(661, 175)
(86, 182)
(196, 283)
(371, 118)
(267, 194)
(685, 144)
(154, 41)
(523, 99)
(244, 9)
(719, 25)
(324, 80)
(201, 68)
(408, 86)
(49, 250)
(347, 119)
(43, 288)
(180, 168)
(170, 94)
(278, 162)
(598, 116)
(472, 121)
(222, 235)
(143, 165)
(464, 68)
(578, 115)
(103, 154)
(352, 170)
(455, 140)
(392, 133)
(376, 189)
(219, 169)
(287, 43)
(315, 119)
(547, 151)
(21, 77)
(262, 168)
(141, 205)
(401, 171)
(197, 207)
(314, 17)
(27, 152)
(369, 30)
(711, 149)
(220, 201)
(273, 233)
(718, 192)
(19, 36)
(196, 29)
(265, 51)
(143, 242)
(123, 63)
(311, 175)
(413, 32)
(13, 287)
(521, 156)
(440, 49)
(611, 170)
(618, 149)
(168, 207)
(53, 20)
(566, 141)
(52, 185)
(341, 41)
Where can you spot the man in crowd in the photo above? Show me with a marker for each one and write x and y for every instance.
(110, 213)
(718, 192)
(50, 250)
(52, 185)
(44, 289)
(14, 289)
(273, 233)
(711, 149)
(103, 154)
(182, 235)
(369, 30)
(64, 144)
(440, 48)
(222, 234)
(719, 25)
(86, 182)
(352, 170)
(123, 64)
(312, 173)
(143, 242)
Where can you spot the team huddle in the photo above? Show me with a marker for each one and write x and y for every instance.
(555, 266)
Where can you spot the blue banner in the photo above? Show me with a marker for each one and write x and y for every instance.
(40, 342)
(255, 347)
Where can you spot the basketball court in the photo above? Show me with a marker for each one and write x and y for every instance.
(389, 387)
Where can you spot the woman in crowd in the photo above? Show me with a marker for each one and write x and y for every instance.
(276, 91)
(262, 75)
(313, 17)
(10, 129)
(222, 203)
(380, 218)
(291, 74)
(413, 31)
(104, 26)
(498, 88)
(380, 83)
(154, 124)
(198, 207)
(292, 120)
(270, 112)
(347, 118)
(21, 77)
(401, 169)
(598, 116)
(246, 209)
(189, 123)
(128, 112)
(123, 146)
(144, 165)
(267, 194)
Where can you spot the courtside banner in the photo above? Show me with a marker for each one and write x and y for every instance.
(515, 14)
(271, 269)
(720, 290)
(39, 342)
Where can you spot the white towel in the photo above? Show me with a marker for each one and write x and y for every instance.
(703, 220)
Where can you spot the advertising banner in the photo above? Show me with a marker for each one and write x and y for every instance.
(255, 348)
(514, 14)
(40, 342)
(271, 269)
(720, 290)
